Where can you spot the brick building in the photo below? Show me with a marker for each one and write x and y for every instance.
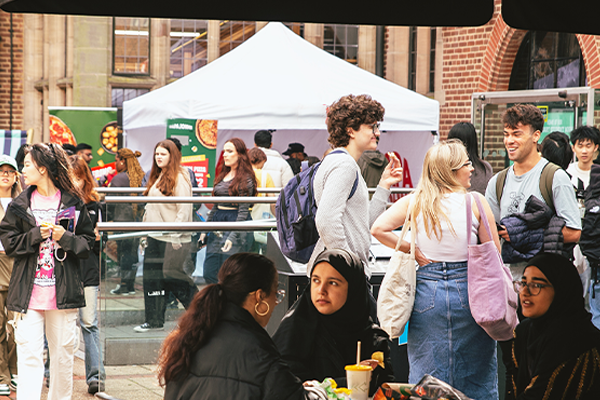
(11, 71)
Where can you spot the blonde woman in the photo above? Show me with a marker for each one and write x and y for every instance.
(443, 338)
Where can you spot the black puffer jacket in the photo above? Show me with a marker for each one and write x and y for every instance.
(239, 361)
(21, 238)
(525, 231)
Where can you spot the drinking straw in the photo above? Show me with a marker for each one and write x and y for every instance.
(358, 353)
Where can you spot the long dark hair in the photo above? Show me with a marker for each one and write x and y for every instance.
(240, 275)
(52, 157)
(239, 184)
(168, 180)
(557, 149)
(465, 132)
(82, 172)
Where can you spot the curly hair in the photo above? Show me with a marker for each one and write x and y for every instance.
(525, 114)
(351, 112)
(134, 170)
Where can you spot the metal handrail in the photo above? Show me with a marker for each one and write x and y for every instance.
(262, 225)
(112, 190)
(188, 199)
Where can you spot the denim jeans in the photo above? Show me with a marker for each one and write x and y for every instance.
(443, 338)
(594, 293)
(88, 318)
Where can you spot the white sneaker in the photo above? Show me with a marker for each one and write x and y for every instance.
(145, 327)
(13, 382)
(4, 389)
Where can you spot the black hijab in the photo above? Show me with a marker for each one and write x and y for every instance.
(307, 334)
(564, 332)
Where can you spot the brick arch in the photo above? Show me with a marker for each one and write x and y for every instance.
(591, 58)
(499, 57)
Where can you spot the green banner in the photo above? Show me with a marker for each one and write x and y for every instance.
(198, 139)
(95, 126)
(558, 120)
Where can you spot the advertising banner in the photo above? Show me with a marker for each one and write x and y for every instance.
(97, 127)
(198, 139)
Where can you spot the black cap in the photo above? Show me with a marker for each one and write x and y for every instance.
(294, 148)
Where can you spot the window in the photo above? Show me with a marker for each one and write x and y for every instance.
(342, 41)
(131, 47)
(412, 58)
(188, 50)
(119, 95)
(432, 40)
(548, 60)
(234, 33)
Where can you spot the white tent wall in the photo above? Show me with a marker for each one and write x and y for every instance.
(410, 146)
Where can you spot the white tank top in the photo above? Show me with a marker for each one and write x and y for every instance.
(452, 247)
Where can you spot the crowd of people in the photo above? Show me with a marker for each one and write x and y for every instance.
(540, 214)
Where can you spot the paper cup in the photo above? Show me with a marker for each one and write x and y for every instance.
(359, 379)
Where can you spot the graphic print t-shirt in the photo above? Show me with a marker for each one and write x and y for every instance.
(43, 296)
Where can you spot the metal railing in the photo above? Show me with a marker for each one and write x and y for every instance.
(207, 191)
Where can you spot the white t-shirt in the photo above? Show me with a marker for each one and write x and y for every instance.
(577, 173)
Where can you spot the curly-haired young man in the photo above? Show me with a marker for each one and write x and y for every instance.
(344, 221)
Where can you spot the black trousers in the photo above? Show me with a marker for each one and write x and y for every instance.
(163, 272)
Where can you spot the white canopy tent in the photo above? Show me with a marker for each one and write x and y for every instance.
(277, 80)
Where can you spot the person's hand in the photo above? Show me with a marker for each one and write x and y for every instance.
(371, 363)
(176, 246)
(227, 246)
(57, 232)
(420, 258)
(503, 233)
(392, 173)
(201, 240)
(46, 230)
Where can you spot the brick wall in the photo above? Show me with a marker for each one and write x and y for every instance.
(5, 71)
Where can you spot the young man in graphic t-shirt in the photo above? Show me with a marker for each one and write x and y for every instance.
(523, 124)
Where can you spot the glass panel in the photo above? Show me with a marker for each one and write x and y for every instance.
(342, 41)
(568, 73)
(543, 74)
(544, 46)
(188, 46)
(234, 33)
(131, 45)
(567, 46)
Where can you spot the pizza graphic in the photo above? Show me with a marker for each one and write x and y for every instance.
(206, 132)
(60, 132)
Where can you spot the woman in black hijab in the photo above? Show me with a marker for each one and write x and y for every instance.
(319, 334)
(556, 350)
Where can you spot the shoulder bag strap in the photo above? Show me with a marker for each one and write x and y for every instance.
(404, 230)
(482, 216)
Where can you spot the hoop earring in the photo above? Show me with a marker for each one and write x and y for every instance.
(256, 309)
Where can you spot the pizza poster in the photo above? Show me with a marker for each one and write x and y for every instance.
(198, 139)
(97, 127)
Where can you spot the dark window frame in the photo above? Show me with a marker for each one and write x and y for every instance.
(118, 73)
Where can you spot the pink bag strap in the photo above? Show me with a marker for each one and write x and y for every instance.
(482, 216)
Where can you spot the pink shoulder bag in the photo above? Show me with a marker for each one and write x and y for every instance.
(492, 298)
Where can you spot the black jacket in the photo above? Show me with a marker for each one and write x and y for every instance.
(90, 267)
(239, 361)
(21, 238)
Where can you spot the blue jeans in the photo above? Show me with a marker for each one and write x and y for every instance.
(594, 292)
(443, 338)
(88, 318)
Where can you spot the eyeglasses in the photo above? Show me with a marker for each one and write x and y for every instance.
(280, 296)
(467, 164)
(534, 288)
(375, 127)
(10, 172)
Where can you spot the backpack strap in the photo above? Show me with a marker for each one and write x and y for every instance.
(500, 181)
(546, 179)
